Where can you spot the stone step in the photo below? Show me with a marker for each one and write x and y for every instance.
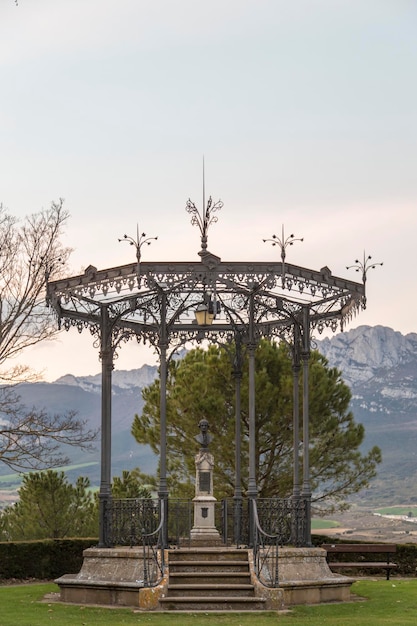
(214, 603)
(207, 554)
(208, 566)
(205, 579)
(226, 578)
(210, 590)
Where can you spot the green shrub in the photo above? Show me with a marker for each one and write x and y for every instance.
(43, 560)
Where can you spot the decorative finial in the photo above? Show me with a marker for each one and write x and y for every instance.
(204, 219)
(283, 243)
(363, 266)
(140, 241)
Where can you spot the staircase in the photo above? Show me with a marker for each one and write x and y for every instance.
(210, 579)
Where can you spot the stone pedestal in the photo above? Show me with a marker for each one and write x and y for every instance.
(304, 578)
(204, 532)
(111, 577)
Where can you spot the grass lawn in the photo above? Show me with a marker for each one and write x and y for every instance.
(378, 602)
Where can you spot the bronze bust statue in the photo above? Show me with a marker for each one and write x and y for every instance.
(204, 438)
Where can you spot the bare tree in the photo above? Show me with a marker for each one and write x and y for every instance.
(31, 252)
(32, 439)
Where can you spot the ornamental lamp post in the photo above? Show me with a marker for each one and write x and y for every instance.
(205, 313)
(203, 316)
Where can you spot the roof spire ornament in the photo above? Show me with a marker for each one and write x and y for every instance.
(363, 266)
(283, 243)
(140, 241)
(206, 217)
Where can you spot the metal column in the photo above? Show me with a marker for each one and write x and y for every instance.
(296, 366)
(306, 490)
(237, 373)
(163, 487)
(106, 355)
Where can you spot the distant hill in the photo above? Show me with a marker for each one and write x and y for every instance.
(83, 394)
(378, 363)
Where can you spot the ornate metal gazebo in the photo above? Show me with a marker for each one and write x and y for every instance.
(171, 304)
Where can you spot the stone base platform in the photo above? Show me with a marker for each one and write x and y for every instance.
(110, 576)
(114, 577)
(305, 578)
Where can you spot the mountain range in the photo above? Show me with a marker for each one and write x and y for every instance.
(83, 395)
(380, 366)
(378, 363)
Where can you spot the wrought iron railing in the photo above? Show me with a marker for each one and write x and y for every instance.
(285, 517)
(301, 522)
(232, 521)
(181, 518)
(179, 522)
(224, 519)
(265, 552)
(128, 519)
(169, 523)
(153, 553)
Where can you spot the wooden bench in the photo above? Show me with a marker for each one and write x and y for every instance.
(387, 549)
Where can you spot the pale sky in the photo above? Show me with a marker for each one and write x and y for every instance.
(305, 112)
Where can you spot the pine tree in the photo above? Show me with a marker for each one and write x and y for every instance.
(201, 385)
(49, 507)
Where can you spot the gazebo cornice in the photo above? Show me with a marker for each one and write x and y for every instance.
(124, 278)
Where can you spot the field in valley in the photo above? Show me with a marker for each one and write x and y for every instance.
(362, 524)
